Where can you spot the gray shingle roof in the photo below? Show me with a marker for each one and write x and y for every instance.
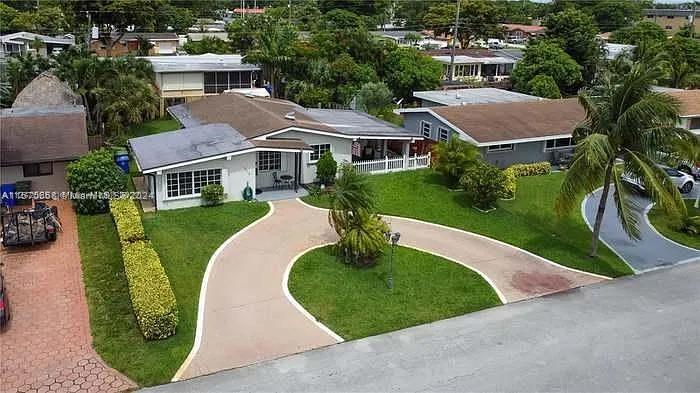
(188, 144)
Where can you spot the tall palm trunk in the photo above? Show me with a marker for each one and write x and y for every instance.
(601, 209)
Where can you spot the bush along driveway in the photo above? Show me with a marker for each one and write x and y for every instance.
(651, 252)
(527, 222)
(185, 240)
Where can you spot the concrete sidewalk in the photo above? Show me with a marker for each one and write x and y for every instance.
(635, 334)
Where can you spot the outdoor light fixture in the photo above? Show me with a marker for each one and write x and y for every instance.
(394, 239)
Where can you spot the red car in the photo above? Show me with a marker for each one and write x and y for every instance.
(4, 304)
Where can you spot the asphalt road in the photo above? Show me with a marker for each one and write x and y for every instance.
(652, 251)
(638, 333)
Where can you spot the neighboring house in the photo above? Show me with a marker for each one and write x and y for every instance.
(399, 37)
(672, 20)
(183, 79)
(613, 51)
(198, 36)
(475, 65)
(506, 133)
(23, 42)
(36, 143)
(236, 140)
(690, 109)
(482, 95)
(519, 34)
(163, 44)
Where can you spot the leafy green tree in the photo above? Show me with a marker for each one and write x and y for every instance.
(7, 18)
(407, 70)
(359, 7)
(576, 31)
(454, 157)
(611, 15)
(478, 19)
(308, 94)
(95, 172)
(373, 98)
(340, 19)
(207, 45)
(20, 70)
(543, 86)
(629, 123)
(125, 100)
(483, 184)
(682, 60)
(273, 49)
(180, 19)
(412, 38)
(638, 33)
(326, 168)
(544, 57)
(243, 33)
(413, 12)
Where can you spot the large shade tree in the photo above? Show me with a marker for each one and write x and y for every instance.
(478, 19)
(576, 31)
(626, 125)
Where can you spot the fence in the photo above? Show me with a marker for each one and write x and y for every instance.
(386, 164)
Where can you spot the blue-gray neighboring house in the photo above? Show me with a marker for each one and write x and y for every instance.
(507, 133)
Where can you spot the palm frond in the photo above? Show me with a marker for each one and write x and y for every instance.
(656, 182)
(626, 208)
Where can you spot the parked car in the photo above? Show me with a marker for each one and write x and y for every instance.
(690, 168)
(682, 180)
(4, 304)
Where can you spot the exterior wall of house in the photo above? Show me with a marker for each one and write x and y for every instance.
(235, 173)
(672, 22)
(412, 121)
(340, 147)
(522, 153)
(54, 182)
(180, 84)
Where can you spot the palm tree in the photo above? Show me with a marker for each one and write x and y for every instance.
(626, 124)
(273, 49)
(688, 151)
(454, 157)
(126, 100)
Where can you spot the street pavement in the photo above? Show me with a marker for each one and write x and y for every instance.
(633, 334)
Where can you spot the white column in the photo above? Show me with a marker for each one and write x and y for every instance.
(405, 152)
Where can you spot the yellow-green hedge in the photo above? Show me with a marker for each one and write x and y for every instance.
(128, 220)
(152, 298)
(536, 168)
(510, 184)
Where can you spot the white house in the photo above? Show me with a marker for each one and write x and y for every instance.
(475, 65)
(237, 140)
(23, 42)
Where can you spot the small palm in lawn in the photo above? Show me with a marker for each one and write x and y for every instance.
(453, 158)
(351, 193)
(625, 122)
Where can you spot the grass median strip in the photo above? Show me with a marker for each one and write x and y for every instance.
(356, 302)
(185, 239)
(528, 221)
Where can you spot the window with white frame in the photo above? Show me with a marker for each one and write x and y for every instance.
(425, 128)
(560, 143)
(318, 151)
(501, 147)
(269, 161)
(190, 183)
(443, 134)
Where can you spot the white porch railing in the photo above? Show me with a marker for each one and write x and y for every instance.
(386, 164)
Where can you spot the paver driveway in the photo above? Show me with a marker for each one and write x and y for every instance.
(247, 318)
(47, 346)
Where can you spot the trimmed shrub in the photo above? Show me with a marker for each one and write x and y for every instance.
(510, 184)
(127, 219)
(213, 194)
(152, 298)
(483, 184)
(534, 169)
(326, 168)
(95, 173)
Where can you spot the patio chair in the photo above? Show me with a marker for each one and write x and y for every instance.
(288, 181)
(276, 182)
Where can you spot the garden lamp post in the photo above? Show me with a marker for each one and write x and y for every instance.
(394, 239)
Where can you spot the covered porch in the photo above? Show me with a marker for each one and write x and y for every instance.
(388, 155)
(278, 174)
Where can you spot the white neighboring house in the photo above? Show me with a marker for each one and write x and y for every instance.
(237, 140)
(23, 42)
(480, 95)
(476, 65)
(182, 79)
(399, 37)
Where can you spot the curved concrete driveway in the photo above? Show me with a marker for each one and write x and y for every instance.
(652, 252)
(247, 318)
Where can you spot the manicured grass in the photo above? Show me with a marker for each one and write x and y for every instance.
(153, 127)
(185, 240)
(528, 222)
(667, 227)
(356, 302)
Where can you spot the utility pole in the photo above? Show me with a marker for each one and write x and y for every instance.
(454, 43)
(89, 31)
(692, 20)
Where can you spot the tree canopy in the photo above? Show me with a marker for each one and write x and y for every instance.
(543, 57)
(407, 70)
(478, 19)
(576, 31)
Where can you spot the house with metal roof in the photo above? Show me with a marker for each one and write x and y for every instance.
(479, 95)
(475, 64)
(161, 44)
(240, 140)
(182, 79)
(23, 42)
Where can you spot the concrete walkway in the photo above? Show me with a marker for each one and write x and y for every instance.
(652, 252)
(247, 317)
(635, 334)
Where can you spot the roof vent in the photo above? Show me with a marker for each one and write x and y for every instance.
(457, 96)
(290, 116)
(250, 95)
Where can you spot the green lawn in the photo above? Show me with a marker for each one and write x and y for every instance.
(146, 128)
(356, 302)
(185, 240)
(528, 221)
(666, 226)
